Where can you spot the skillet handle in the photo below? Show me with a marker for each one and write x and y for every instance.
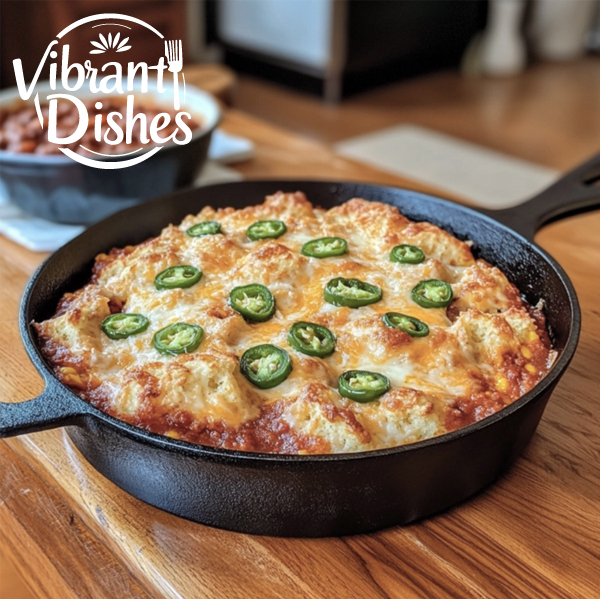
(54, 407)
(576, 192)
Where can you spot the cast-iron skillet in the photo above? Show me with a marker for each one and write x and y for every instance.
(311, 495)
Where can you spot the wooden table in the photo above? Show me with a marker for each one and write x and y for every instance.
(535, 533)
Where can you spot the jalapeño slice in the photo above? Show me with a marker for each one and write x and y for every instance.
(254, 302)
(405, 253)
(311, 339)
(410, 325)
(181, 276)
(432, 293)
(121, 325)
(362, 386)
(204, 228)
(325, 247)
(351, 292)
(266, 366)
(266, 229)
(179, 338)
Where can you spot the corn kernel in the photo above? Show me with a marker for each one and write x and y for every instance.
(172, 434)
(501, 383)
(526, 352)
(530, 368)
(71, 377)
(533, 336)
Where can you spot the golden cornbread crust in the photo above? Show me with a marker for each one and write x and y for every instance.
(483, 352)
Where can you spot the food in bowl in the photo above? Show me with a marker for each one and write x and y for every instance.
(20, 130)
(286, 328)
(58, 188)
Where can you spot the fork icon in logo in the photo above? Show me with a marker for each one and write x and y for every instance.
(174, 56)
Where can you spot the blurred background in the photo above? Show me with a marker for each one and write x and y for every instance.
(520, 77)
(486, 70)
(487, 100)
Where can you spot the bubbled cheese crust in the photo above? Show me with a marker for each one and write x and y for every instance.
(483, 352)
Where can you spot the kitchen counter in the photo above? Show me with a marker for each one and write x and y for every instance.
(535, 533)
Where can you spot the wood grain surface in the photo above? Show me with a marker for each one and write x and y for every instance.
(535, 533)
(531, 115)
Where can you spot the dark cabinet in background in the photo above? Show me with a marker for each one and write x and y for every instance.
(338, 47)
(27, 27)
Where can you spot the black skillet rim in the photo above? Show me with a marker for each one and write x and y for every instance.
(224, 454)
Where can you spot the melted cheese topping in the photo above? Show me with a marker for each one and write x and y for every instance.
(482, 353)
